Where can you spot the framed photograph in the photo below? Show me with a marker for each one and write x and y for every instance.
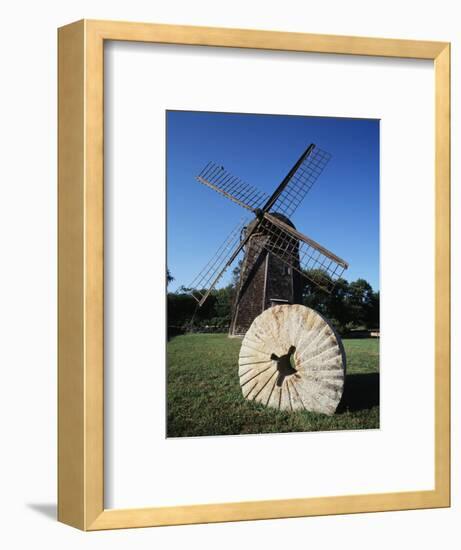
(292, 358)
(254, 275)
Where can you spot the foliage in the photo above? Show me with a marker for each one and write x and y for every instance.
(350, 305)
(204, 396)
(216, 311)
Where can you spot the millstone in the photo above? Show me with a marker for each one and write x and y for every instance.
(291, 359)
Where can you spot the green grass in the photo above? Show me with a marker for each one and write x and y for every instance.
(204, 396)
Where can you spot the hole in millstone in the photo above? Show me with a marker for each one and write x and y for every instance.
(285, 365)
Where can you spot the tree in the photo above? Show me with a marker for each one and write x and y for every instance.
(338, 306)
(372, 314)
(360, 296)
(313, 296)
(349, 305)
(181, 308)
(224, 297)
(169, 277)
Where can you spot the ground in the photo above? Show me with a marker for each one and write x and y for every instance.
(204, 396)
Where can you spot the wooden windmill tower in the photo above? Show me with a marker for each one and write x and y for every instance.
(276, 254)
(265, 279)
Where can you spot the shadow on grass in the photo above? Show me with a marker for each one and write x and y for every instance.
(361, 391)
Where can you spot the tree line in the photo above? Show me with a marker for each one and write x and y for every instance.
(350, 306)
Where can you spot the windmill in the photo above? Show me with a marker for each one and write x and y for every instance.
(276, 254)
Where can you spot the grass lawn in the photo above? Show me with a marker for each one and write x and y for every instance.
(204, 396)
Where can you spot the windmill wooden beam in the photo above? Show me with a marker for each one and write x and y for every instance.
(279, 223)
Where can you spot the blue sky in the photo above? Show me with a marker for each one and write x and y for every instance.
(341, 211)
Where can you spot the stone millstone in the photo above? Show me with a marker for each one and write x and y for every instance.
(291, 359)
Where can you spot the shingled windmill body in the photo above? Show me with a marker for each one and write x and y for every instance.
(276, 256)
(265, 279)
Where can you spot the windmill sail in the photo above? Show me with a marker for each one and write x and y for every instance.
(268, 232)
(301, 253)
(220, 180)
(296, 250)
(211, 274)
(301, 182)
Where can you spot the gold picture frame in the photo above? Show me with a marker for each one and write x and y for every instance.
(81, 268)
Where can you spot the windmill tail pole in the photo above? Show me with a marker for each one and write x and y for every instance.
(190, 325)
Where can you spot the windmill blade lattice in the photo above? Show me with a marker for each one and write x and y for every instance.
(311, 260)
(267, 232)
(296, 250)
(301, 182)
(220, 180)
(210, 275)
